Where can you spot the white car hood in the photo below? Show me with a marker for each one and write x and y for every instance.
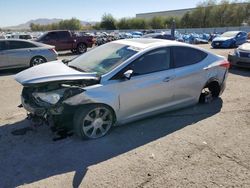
(245, 47)
(50, 72)
(222, 38)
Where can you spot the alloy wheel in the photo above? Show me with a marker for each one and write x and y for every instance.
(97, 122)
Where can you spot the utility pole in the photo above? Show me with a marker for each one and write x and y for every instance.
(173, 26)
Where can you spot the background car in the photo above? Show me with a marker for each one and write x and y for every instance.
(22, 36)
(229, 39)
(120, 82)
(241, 56)
(17, 53)
(159, 36)
(67, 40)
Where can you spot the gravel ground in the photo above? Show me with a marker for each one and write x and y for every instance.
(200, 146)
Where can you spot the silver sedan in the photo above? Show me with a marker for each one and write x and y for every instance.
(16, 53)
(120, 82)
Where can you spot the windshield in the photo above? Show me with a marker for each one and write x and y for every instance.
(104, 58)
(40, 37)
(230, 34)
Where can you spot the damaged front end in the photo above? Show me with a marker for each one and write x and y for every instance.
(47, 86)
(45, 102)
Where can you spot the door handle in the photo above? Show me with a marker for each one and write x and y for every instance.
(167, 79)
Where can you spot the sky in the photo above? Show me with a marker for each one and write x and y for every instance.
(14, 12)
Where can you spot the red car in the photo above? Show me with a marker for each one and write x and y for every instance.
(67, 40)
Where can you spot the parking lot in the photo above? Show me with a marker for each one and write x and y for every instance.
(201, 146)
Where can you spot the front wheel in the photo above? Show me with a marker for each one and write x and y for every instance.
(93, 121)
(81, 48)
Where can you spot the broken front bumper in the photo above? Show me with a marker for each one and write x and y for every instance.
(39, 111)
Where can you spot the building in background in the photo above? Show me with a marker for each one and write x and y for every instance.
(170, 13)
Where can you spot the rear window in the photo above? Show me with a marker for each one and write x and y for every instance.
(184, 56)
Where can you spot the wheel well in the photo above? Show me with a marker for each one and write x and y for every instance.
(214, 87)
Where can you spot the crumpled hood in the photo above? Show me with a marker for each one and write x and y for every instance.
(222, 39)
(245, 47)
(50, 72)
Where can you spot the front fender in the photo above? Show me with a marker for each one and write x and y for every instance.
(91, 97)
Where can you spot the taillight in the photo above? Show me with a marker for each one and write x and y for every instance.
(53, 50)
(225, 64)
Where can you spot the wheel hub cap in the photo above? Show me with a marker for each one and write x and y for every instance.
(98, 122)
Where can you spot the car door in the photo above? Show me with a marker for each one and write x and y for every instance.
(150, 87)
(190, 75)
(3, 55)
(19, 53)
(64, 40)
(52, 39)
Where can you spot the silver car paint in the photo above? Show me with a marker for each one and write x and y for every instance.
(51, 71)
(152, 93)
(17, 58)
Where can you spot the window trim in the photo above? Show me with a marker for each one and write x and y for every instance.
(118, 75)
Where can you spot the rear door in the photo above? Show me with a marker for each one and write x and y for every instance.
(190, 75)
(3, 55)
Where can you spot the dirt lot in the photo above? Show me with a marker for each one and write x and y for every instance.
(201, 146)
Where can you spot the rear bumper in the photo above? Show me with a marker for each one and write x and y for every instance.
(239, 61)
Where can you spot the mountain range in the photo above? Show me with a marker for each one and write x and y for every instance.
(41, 21)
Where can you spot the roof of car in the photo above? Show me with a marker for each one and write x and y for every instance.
(144, 43)
(38, 44)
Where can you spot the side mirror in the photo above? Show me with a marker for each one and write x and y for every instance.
(128, 74)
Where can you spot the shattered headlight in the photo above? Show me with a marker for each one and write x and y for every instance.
(49, 97)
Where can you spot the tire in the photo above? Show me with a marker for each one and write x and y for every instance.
(93, 121)
(37, 60)
(210, 92)
(81, 48)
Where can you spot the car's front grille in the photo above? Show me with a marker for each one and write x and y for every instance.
(245, 54)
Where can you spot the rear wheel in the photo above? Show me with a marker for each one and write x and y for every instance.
(37, 60)
(93, 121)
(81, 48)
(210, 92)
